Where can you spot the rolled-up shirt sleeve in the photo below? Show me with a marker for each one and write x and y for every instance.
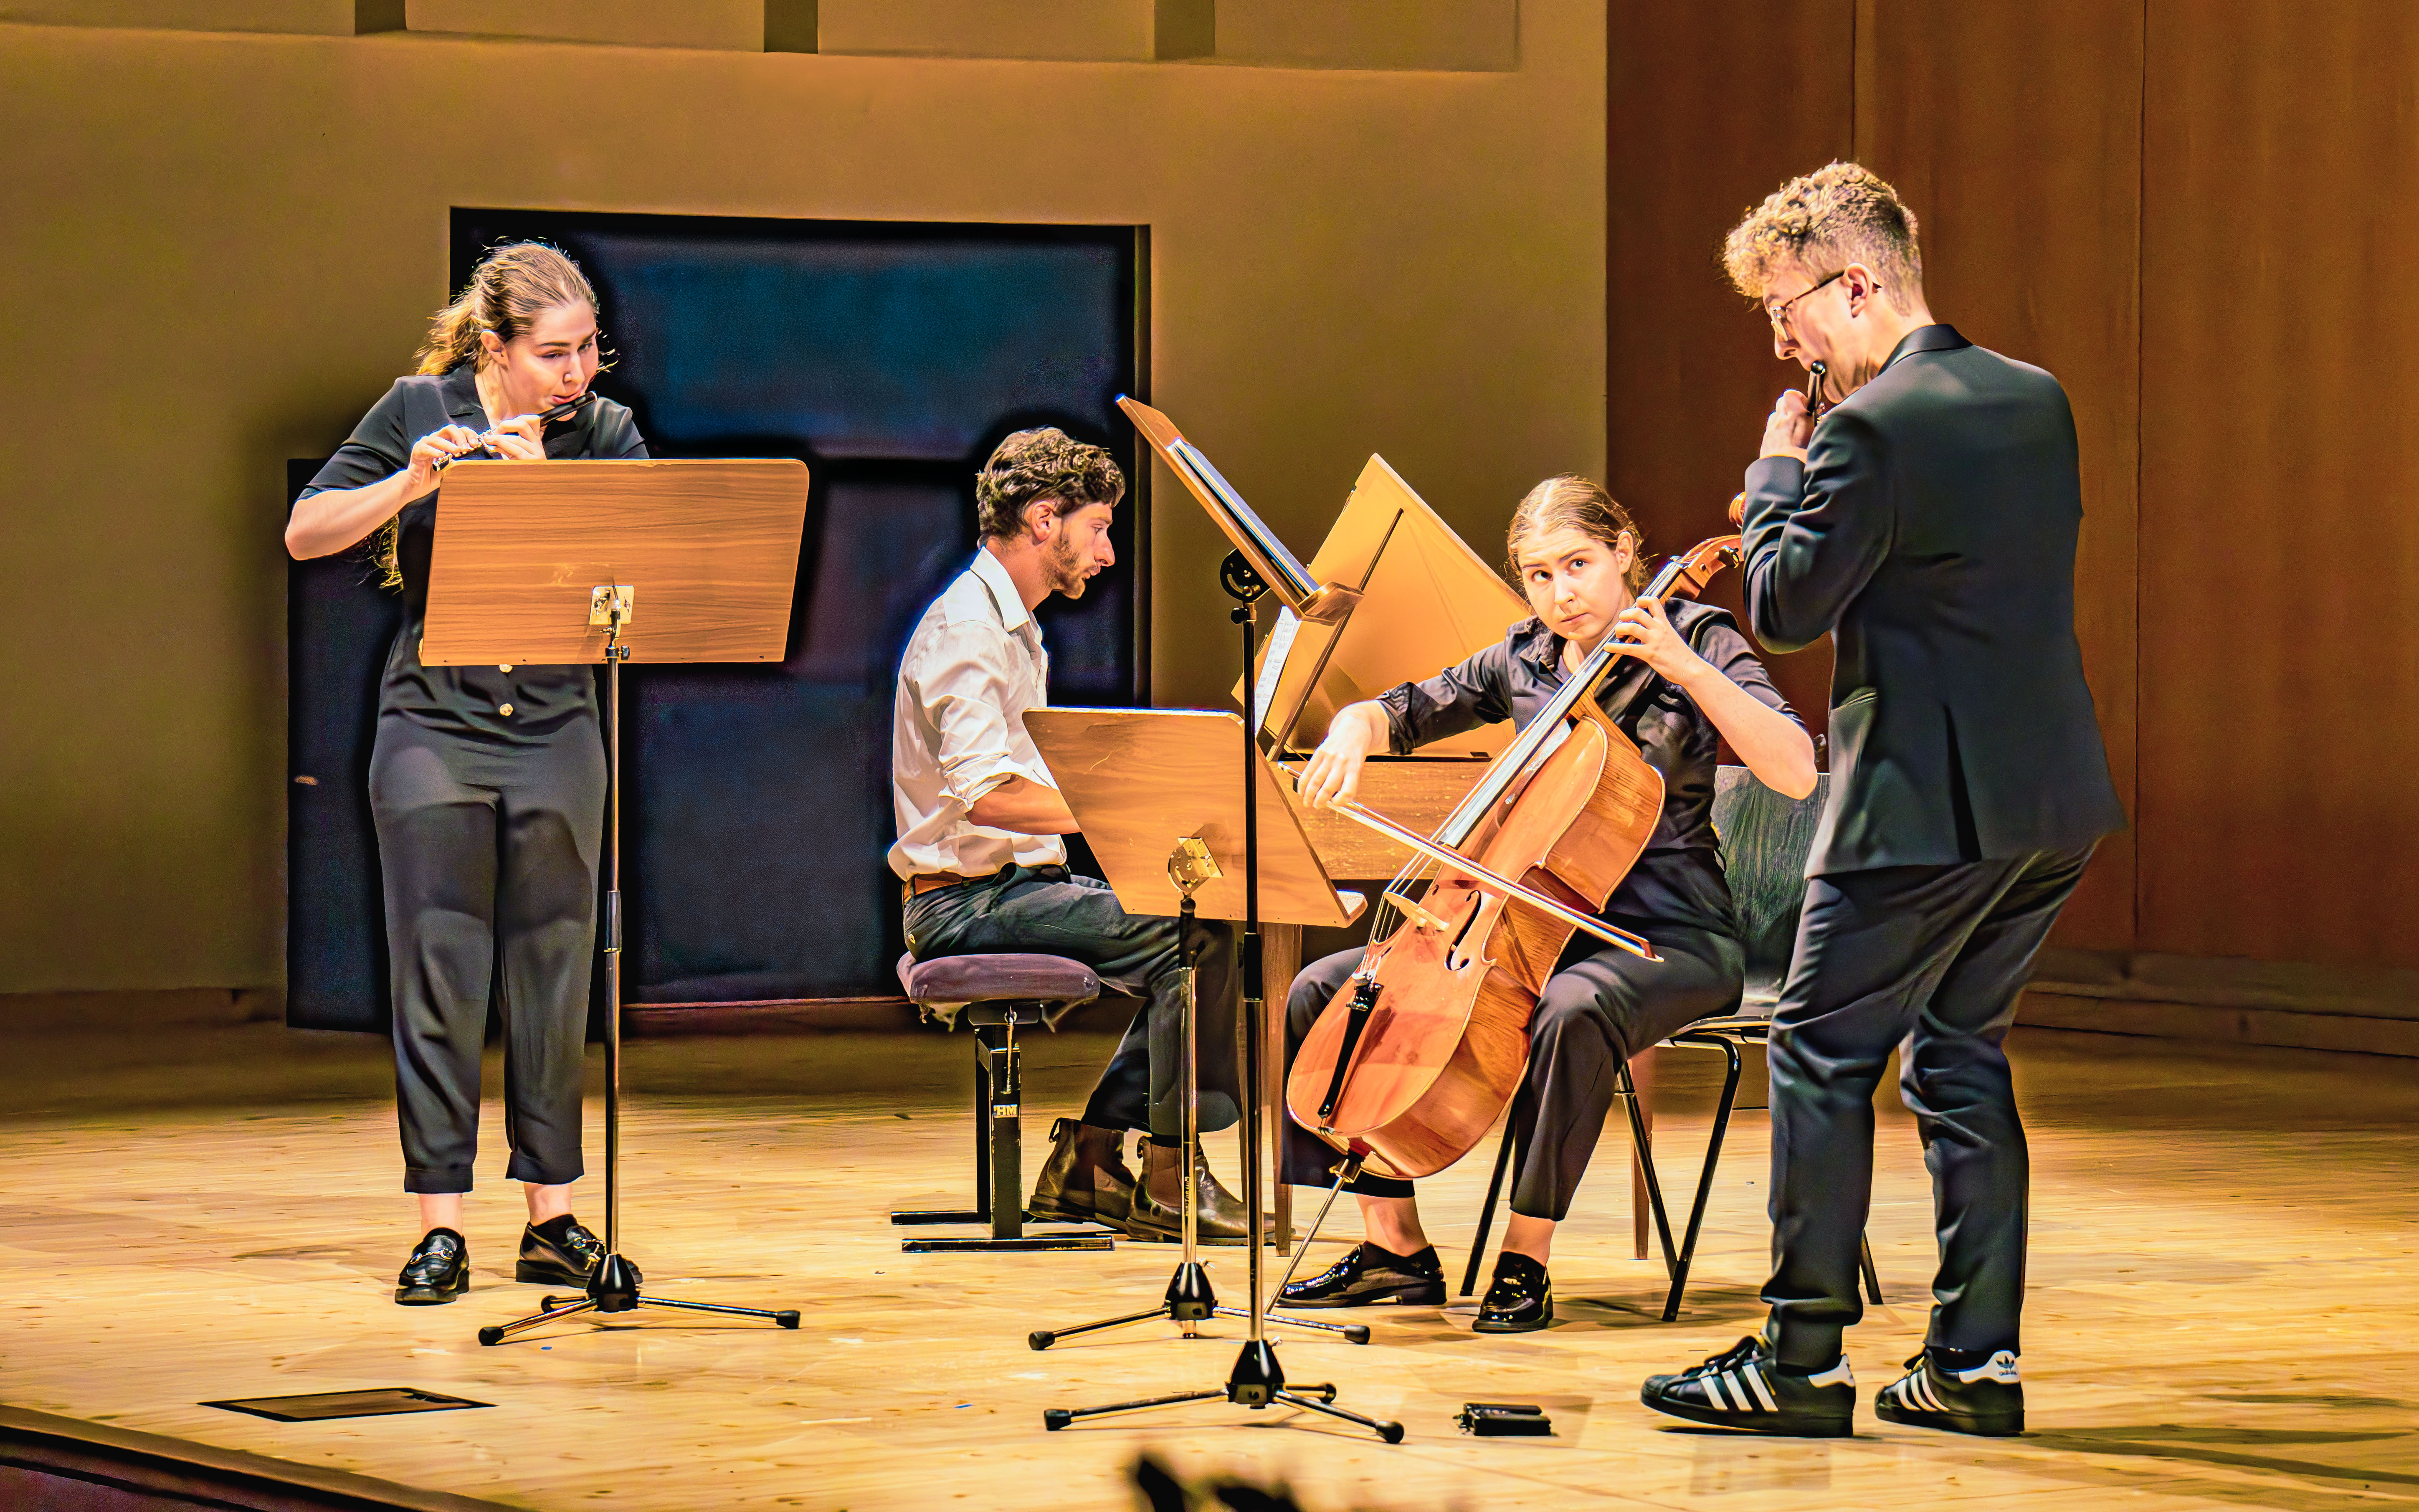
(1456, 700)
(963, 685)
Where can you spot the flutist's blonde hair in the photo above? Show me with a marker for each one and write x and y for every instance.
(1570, 502)
(1839, 214)
(512, 287)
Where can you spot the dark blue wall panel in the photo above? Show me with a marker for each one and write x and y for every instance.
(891, 358)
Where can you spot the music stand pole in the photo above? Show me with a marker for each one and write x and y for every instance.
(615, 1285)
(1256, 1380)
(515, 578)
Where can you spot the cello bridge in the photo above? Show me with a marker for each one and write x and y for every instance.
(1419, 917)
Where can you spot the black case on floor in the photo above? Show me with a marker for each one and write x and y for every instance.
(1502, 1420)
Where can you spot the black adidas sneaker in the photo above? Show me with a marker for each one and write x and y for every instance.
(1744, 1389)
(1987, 1398)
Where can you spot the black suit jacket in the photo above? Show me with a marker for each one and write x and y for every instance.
(1932, 531)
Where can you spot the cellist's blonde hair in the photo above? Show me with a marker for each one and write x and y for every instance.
(1581, 505)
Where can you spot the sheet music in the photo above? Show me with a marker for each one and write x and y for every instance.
(1272, 665)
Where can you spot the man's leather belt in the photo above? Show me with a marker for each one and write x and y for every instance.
(917, 887)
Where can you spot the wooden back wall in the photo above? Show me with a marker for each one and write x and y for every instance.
(2198, 214)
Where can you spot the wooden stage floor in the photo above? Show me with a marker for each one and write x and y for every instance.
(2222, 1269)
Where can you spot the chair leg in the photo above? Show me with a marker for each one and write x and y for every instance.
(1644, 1144)
(1704, 1180)
(982, 1128)
(1872, 1276)
(1003, 1122)
(1494, 1190)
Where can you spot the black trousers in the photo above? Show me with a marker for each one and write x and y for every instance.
(490, 854)
(1050, 910)
(1934, 956)
(1600, 1007)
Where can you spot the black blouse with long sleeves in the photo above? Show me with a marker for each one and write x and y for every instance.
(506, 705)
(1678, 878)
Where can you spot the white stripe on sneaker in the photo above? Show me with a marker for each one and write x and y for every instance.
(1763, 1391)
(1925, 1396)
(1722, 1398)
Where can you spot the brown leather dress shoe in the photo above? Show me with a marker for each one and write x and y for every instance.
(1221, 1212)
(1084, 1180)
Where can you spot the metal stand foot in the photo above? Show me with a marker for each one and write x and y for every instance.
(614, 1288)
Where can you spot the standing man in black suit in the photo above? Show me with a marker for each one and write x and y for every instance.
(1927, 522)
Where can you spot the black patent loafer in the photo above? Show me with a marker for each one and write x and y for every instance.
(1746, 1389)
(1369, 1277)
(1986, 1399)
(1521, 1300)
(563, 1252)
(438, 1272)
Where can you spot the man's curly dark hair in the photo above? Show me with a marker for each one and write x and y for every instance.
(1042, 463)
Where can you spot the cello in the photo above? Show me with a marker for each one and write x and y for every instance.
(1418, 1054)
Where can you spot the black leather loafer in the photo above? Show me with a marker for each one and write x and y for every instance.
(438, 1272)
(1369, 1277)
(1521, 1300)
(561, 1252)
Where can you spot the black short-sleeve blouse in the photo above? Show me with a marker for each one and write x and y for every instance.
(471, 701)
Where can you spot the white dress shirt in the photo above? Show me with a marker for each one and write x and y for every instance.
(973, 667)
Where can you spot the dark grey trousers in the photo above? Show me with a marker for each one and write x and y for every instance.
(1934, 956)
(489, 855)
(1600, 1007)
(1049, 911)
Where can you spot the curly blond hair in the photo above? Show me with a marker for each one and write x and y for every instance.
(1045, 463)
(1841, 212)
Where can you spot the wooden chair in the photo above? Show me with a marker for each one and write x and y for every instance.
(1766, 840)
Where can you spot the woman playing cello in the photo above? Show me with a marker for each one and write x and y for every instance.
(1691, 682)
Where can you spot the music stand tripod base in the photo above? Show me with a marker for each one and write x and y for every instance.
(614, 1288)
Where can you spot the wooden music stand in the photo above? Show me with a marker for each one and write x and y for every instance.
(1155, 792)
(1424, 601)
(577, 561)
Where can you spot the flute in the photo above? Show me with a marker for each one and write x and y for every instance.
(562, 411)
(1815, 373)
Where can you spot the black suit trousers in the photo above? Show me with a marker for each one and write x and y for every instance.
(1932, 958)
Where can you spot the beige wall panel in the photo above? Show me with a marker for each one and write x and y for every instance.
(733, 24)
(1100, 29)
(1371, 34)
(1711, 107)
(2280, 482)
(239, 239)
(2012, 127)
(322, 18)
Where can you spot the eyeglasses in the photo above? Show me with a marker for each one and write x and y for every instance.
(1780, 314)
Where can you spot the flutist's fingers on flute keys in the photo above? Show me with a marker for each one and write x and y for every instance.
(434, 450)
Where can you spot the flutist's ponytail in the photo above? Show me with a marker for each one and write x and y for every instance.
(514, 285)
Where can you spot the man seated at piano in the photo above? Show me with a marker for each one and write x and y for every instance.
(985, 867)
(1688, 683)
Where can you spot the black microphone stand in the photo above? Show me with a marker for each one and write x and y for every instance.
(1257, 1380)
